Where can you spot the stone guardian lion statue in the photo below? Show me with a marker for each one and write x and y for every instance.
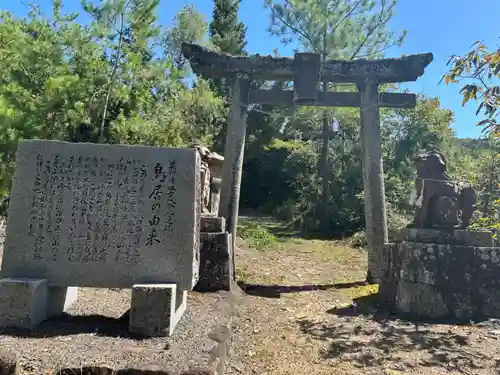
(440, 203)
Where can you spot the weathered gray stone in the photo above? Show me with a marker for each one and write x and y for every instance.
(283, 98)
(234, 150)
(439, 202)
(373, 179)
(216, 262)
(155, 309)
(23, 302)
(446, 237)
(366, 74)
(420, 300)
(205, 61)
(60, 299)
(104, 215)
(306, 67)
(430, 280)
(212, 224)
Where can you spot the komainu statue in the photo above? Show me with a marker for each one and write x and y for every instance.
(440, 203)
(211, 168)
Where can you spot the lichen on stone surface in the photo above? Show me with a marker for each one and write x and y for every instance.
(465, 278)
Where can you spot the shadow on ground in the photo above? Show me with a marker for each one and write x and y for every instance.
(275, 291)
(368, 336)
(66, 325)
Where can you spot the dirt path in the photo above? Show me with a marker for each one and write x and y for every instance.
(319, 332)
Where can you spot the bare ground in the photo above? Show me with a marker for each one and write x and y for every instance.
(298, 320)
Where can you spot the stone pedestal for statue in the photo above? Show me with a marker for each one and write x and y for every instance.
(433, 274)
(437, 268)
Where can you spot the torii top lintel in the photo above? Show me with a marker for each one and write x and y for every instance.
(215, 64)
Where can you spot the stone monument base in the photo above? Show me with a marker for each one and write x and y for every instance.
(216, 256)
(434, 274)
(60, 299)
(155, 309)
(25, 302)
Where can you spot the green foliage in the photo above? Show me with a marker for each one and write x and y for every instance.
(483, 68)
(484, 171)
(256, 236)
(294, 191)
(358, 240)
(190, 27)
(337, 29)
(115, 80)
(226, 32)
(227, 35)
(342, 30)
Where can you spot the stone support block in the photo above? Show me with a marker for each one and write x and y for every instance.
(156, 309)
(23, 302)
(60, 299)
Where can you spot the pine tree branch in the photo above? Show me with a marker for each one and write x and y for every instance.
(301, 26)
(349, 14)
(377, 51)
(292, 28)
(113, 74)
(370, 32)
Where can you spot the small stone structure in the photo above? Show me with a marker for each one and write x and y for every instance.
(111, 216)
(216, 256)
(438, 269)
(211, 170)
(216, 244)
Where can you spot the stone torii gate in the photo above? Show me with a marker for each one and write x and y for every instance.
(306, 71)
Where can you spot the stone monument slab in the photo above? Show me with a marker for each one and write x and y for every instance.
(111, 216)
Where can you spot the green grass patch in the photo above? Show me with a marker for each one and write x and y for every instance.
(255, 235)
(242, 274)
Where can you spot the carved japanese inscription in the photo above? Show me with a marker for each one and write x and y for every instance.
(103, 215)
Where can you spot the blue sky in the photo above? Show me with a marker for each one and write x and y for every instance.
(443, 27)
